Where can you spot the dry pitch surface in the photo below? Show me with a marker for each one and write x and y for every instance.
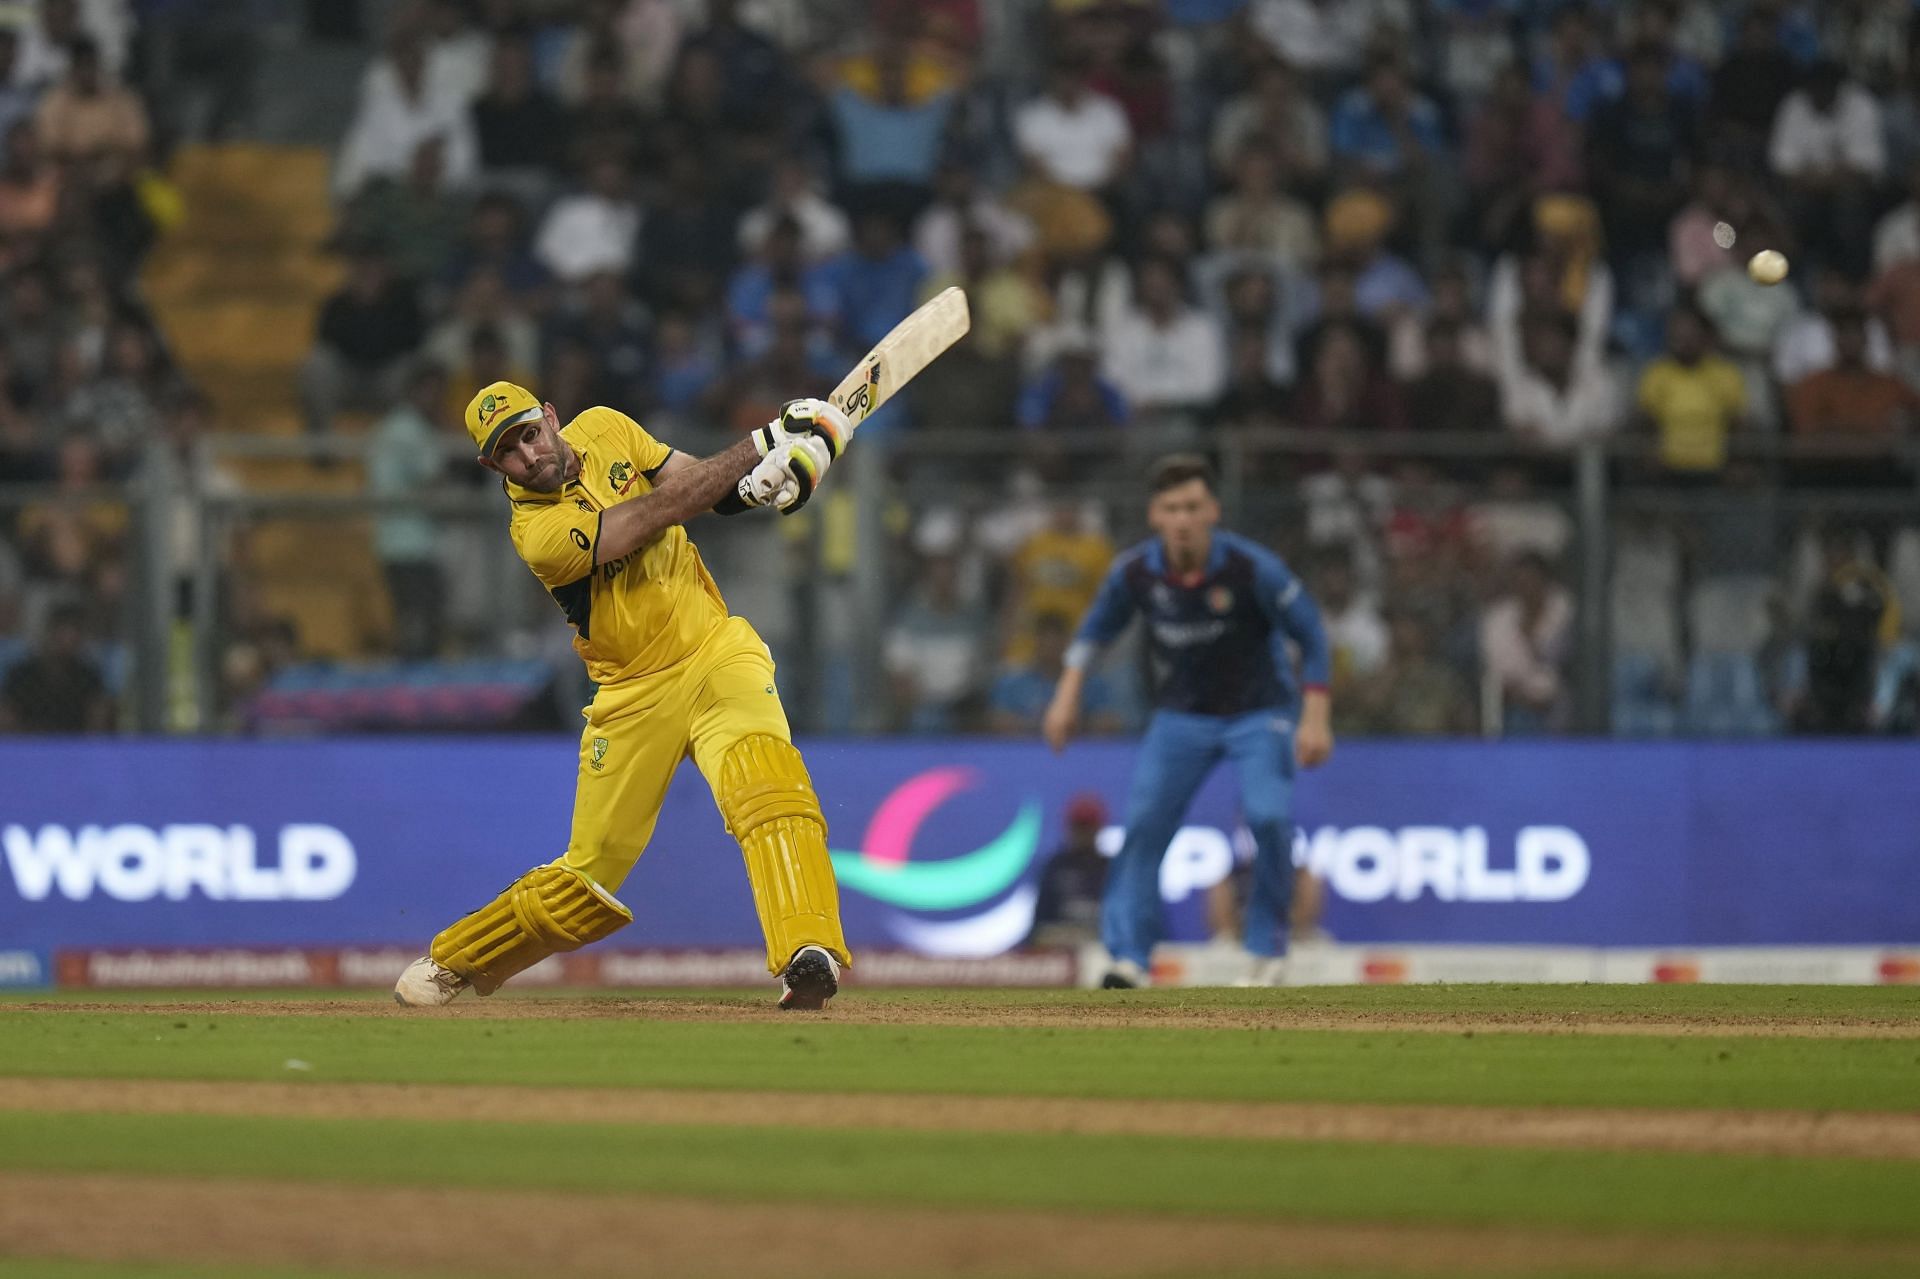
(1511, 1130)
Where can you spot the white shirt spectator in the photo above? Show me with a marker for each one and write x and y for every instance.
(458, 65)
(1805, 347)
(1897, 238)
(1504, 528)
(43, 61)
(936, 236)
(1079, 144)
(1807, 141)
(824, 230)
(390, 125)
(1316, 35)
(1357, 634)
(1179, 365)
(586, 234)
(1588, 408)
(1526, 661)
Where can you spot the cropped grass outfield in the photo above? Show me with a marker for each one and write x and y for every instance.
(1855, 1199)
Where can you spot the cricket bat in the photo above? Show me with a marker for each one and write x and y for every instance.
(913, 344)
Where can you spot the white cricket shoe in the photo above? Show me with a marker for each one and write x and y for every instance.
(1265, 970)
(1124, 974)
(426, 984)
(809, 980)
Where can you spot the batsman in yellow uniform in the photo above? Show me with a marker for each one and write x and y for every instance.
(597, 514)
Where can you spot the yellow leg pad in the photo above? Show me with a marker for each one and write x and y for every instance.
(547, 910)
(769, 805)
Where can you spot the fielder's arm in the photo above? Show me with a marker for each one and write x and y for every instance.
(686, 488)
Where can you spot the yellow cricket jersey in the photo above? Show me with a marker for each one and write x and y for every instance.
(636, 615)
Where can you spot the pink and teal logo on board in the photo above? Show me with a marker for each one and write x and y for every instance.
(883, 868)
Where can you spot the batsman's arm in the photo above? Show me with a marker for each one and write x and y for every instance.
(686, 488)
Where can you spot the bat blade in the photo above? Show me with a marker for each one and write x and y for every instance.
(899, 357)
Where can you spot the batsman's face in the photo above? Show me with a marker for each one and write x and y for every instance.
(1184, 517)
(532, 456)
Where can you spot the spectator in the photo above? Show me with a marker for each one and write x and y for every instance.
(1356, 633)
(1324, 38)
(1475, 47)
(1384, 130)
(1073, 883)
(890, 140)
(1413, 694)
(459, 54)
(405, 457)
(1894, 297)
(1640, 149)
(1056, 572)
(780, 266)
(1850, 399)
(495, 242)
(1749, 318)
(958, 203)
(685, 245)
(798, 352)
(824, 229)
(400, 107)
(1693, 398)
(1896, 237)
(614, 329)
(1254, 300)
(413, 222)
(484, 306)
(1573, 70)
(19, 97)
(1451, 395)
(752, 70)
(1004, 302)
(58, 688)
(30, 191)
(1385, 285)
(1163, 354)
(1854, 616)
(1072, 135)
(1277, 115)
(1344, 390)
(122, 402)
(1749, 86)
(1518, 147)
(92, 124)
(639, 37)
(1257, 217)
(688, 364)
(603, 123)
(592, 230)
(1560, 271)
(1072, 394)
(1697, 241)
(1514, 520)
(73, 544)
(1251, 396)
(516, 123)
(933, 650)
(1025, 685)
(367, 331)
(1452, 305)
(1552, 396)
(1828, 150)
(875, 286)
(1526, 636)
(1805, 344)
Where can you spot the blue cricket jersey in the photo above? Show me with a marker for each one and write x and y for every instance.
(1217, 644)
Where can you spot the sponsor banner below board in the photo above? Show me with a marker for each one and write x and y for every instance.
(24, 968)
(197, 967)
(1314, 964)
(1810, 965)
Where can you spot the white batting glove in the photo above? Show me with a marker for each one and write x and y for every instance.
(803, 418)
(786, 477)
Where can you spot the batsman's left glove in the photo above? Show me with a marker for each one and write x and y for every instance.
(806, 418)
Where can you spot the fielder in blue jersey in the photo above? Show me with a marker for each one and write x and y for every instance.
(1219, 612)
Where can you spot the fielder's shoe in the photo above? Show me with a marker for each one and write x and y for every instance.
(1124, 975)
(810, 979)
(426, 984)
(1265, 970)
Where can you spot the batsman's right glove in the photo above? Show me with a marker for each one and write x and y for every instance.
(787, 476)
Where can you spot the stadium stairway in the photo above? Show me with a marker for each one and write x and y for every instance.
(235, 288)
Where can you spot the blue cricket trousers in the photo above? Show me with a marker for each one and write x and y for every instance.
(1176, 755)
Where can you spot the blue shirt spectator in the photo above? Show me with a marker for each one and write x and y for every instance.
(779, 266)
(875, 286)
(1387, 281)
(890, 141)
(1070, 395)
(1372, 123)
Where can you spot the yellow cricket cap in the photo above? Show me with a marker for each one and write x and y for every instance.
(497, 408)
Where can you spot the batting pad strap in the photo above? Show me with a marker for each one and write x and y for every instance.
(548, 910)
(769, 804)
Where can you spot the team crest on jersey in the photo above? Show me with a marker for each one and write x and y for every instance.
(1220, 600)
(599, 752)
(621, 476)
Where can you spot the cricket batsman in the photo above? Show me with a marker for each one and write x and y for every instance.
(597, 513)
(1220, 612)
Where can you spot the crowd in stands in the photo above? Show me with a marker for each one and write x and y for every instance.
(1521, 220)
